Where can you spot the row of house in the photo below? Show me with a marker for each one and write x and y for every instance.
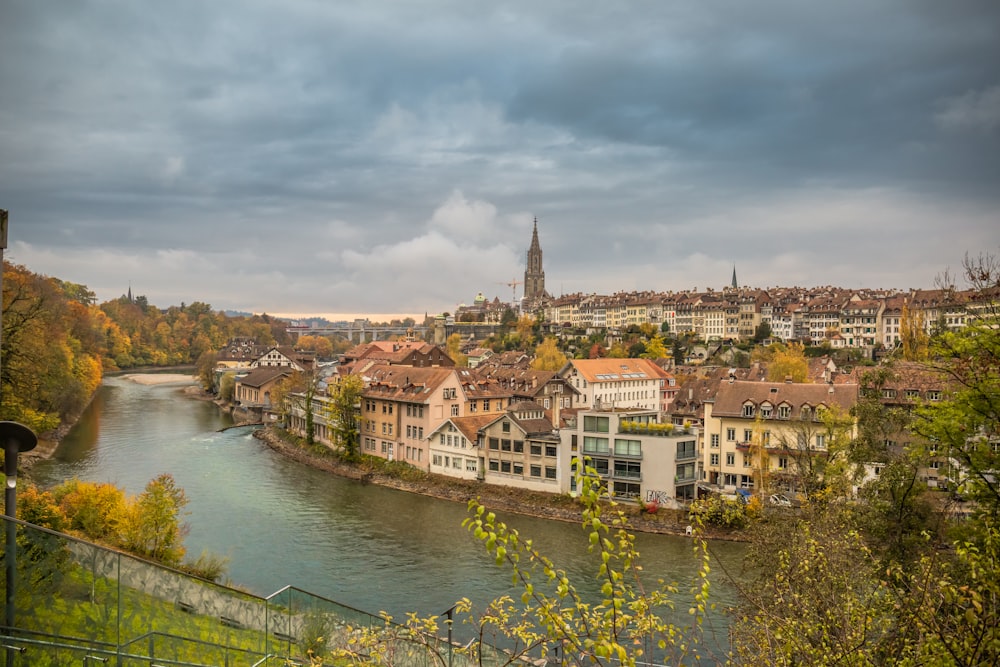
(844, 318)
(651, 435)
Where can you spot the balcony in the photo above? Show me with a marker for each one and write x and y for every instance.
(661, 430)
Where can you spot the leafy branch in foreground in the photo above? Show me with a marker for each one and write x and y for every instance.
(553, 620)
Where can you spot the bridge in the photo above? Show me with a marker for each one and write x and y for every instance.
(358, 330)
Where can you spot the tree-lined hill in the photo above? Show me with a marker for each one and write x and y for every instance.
(58, 342)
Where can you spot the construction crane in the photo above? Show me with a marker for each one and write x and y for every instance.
(513, 289)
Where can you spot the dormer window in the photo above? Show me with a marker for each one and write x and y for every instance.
(784, 411)
(765, 410)
(748, 409)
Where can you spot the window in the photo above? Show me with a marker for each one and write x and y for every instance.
(550, 472)
(454, 411)
(536, 471)
(486, 405)
(765, 411)
(730, 458)
(730, 435)
(628, 447)
(495, 466)
(912, 394)
(505, 445)
(748, 410)
(505, 466)
(888, 393)
(600, 465)
(784, 411)
(820, 441)
(494, 443)
(685, 472)
(782, 462)
(550, 450)
(933, 395)
(747, 435)
(437, 459)
(456, 462)
(505, 426)
(472, 406)
(572, 443)
(519, 469)
(686, 449)
(596, 424)
(595, 445)
(470, 465)
(746, 461)
(714, 459)
(536, 450)
(630, 469)
(519, 446)
(715, 440)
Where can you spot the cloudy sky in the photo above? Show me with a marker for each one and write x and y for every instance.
(312, 156)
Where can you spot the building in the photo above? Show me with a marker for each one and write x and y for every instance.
(534, 274)
(521, 449)
(618, 383)
(636, 455)
(768, 434)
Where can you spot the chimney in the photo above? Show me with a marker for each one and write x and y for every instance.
(788, 379)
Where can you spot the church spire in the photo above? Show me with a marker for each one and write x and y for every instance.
(534, 275)
(735, 285)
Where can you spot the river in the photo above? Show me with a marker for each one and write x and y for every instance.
(282, 523)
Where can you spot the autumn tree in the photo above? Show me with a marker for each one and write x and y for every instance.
(96, 510)
(548, 619)
(453, 348)
(343, 414)
(152, 525)
(913, 333)
(548, 356)
(787, 361)
(655, 349)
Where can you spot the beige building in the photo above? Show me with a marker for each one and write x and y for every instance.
(765, 432)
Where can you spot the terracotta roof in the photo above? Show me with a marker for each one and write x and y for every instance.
(258, 377)
(612, 370)
(731, 396)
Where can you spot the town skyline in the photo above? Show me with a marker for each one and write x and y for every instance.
(332, 158)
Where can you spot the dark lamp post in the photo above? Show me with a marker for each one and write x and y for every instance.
(16, 438)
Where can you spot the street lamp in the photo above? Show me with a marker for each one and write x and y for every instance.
(16, 438)
(451, 647)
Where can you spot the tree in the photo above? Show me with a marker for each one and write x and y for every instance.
(551, 620)
(762, 332)
(655, 349)
(548, 356)
(205, 368)
(344, 406)
(152, 525)
(453, 348)
(913, 334)
(227, 387)
(787, 361)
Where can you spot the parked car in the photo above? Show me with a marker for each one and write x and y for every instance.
(780, 499)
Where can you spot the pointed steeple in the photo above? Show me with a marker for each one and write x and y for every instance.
(534, 275)
(735, 285)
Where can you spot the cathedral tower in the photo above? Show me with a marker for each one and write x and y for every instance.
(534, 276)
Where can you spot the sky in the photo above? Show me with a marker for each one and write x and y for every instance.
(312, 156)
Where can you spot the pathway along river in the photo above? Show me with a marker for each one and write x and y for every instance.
(282, 523)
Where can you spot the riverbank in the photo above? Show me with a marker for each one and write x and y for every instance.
(496, 498)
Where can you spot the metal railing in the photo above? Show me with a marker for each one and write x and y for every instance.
(84, 604)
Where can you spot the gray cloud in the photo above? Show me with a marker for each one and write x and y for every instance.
(389, 158)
